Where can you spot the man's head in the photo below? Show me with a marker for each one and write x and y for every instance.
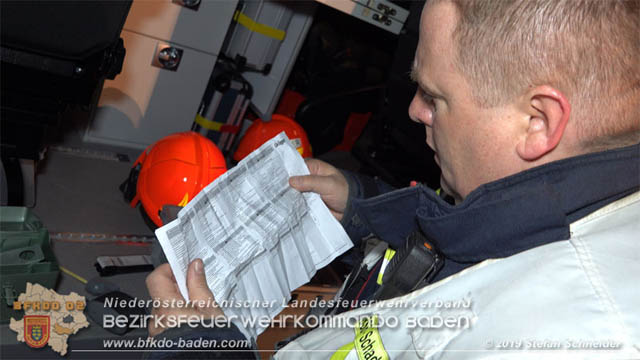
(508, 85)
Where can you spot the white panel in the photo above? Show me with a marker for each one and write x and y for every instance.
(145, 103)
(268, 88)
(203, 29)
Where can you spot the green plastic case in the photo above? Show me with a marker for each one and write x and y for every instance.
(25, 256)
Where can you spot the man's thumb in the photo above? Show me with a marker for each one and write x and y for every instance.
(315, 183)
(297, 182)
(197, 282)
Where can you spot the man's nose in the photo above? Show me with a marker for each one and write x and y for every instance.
(413, 113)
(419, 112)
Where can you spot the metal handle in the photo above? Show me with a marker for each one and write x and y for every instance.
(387, 10)
(384, 19)
(167, 57)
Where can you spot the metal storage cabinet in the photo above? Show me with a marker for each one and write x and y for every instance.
(269, 87)
(147, 102)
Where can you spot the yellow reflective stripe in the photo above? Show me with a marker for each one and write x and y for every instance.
(263, 29)
(208, 124)
(368, 342)
(84, 281)
(342, 353)
(438, 191)
(387, 258)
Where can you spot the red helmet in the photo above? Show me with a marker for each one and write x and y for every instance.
(173, 170)
(261, 131)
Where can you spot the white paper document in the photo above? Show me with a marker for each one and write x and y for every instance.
(258, 237)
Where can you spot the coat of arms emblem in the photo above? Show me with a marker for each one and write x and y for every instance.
(36, 330)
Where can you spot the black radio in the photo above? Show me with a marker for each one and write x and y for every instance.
(412, 267)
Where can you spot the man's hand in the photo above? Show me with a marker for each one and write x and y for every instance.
(328, 182)
(162, 286)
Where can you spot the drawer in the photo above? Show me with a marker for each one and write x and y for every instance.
(202, 29)
(145, 103)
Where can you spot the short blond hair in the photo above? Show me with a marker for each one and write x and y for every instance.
(588, 49)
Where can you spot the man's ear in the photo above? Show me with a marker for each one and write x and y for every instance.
(549, 112)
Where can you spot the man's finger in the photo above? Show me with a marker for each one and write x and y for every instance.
(314, 166)
(323, 185)
(162, 284)
(199, 292)
(319, 167)
(197, 282)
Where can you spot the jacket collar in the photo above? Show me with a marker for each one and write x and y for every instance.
(514, 214)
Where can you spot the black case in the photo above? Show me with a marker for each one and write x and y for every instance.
(55, 54)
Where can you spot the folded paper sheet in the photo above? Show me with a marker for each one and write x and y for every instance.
(258, 237)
